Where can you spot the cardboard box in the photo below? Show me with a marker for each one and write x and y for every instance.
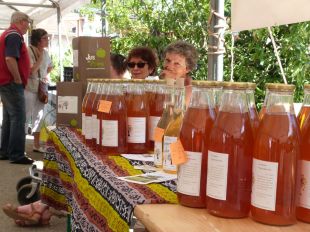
(91, 58)
(69, 104)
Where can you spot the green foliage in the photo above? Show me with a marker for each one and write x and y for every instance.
(66, 62)
(156, 23)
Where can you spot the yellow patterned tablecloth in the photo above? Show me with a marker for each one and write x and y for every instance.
(80, 182)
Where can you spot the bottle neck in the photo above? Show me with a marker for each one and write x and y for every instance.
(234, 101)
(250, 98)
(306, 101)
(280, 102)
(179, 100)
(202, 97)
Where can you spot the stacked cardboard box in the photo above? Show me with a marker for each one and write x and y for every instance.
(91, 59)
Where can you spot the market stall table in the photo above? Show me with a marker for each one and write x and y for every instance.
(78, 181)
(177, 218)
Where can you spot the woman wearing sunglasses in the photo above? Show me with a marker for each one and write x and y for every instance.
(142, 62)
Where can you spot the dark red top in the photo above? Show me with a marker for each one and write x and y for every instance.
(23, 61)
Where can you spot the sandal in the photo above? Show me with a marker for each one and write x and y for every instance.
(30, 218)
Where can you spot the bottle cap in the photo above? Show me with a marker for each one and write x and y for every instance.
(179, 82)
(235, 85)
(170, 81)
(280, 87)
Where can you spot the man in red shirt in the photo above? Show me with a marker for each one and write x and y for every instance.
(14, 73)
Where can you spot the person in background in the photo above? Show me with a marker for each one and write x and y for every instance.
(180, 59)
(14, 73)
(41, 66)
(118, 66)
(142, 62)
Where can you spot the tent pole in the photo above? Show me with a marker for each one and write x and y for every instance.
(59, 44)
(103, 19)
(216, 44)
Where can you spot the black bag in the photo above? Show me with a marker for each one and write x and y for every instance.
(43, 87)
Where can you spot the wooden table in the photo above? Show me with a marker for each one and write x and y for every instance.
(177, 218)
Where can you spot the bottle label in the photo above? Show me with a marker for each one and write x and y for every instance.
(167, 161)
(95, 127)
(136, 129)
(304, 185)
(88, 131)
(153, 123)
(158, 153)
(217, 175)
(178, 155)
(104, 106)
(83, 123)
(158, 134)
(189, 174)
(264, 184)
(110, 133)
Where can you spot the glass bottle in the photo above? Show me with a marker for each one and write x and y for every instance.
(305, 109)
(89, 86)
(105, 89)
(276, 150)
(137, 117)
(173, 129)
(88, 114)
(95, 124)
(163, 122)
(217, 93)
(156, 107)
(252, 107)
(114, 122)
(229, 162)
(303, 181)
(197, 123)
(264, 106)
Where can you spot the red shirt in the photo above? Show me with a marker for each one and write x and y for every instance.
(23, 61)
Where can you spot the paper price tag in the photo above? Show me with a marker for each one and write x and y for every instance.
(158, 134)
(178, 155)
(104, 106)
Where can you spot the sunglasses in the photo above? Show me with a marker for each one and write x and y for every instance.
(133, 64)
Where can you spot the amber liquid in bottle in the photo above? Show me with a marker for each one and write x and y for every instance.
(262, 112)
(158, 145)
(156, 106)
(114, 140)
(194, 135)
(88, 113)
(137, 117)
(232, 135)
(303, 116)
(83, 115)
(171, 135)
(303, 181)
(254, 120)
(278, 142)
(103, 97)
(95, 115)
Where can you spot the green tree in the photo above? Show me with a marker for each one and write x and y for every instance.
(156, 23)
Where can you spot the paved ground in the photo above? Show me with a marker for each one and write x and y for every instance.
(10, 175)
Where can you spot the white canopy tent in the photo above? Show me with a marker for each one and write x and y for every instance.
(45, 14)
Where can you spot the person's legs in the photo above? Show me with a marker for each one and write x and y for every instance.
(29, 104)
(37, 118)
(5, 132)
(12, 96)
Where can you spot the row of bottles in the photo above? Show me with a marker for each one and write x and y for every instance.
(238, 164)
(120, 116)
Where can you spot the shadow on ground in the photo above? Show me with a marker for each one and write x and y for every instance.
(10, 175)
